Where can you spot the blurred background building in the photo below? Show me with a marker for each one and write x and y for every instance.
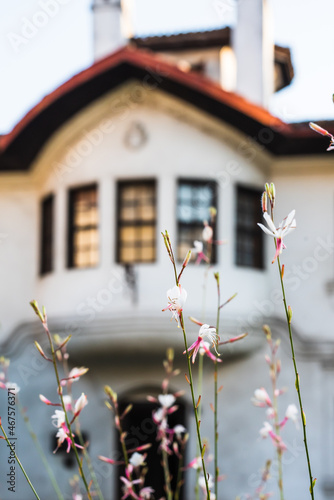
(154, 133)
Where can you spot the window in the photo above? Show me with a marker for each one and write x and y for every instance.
(136, 239)
(249, 241)
(194, 199)
(83, 249)
(46, 259)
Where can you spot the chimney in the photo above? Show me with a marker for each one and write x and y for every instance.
(108, 36)
(253, 43)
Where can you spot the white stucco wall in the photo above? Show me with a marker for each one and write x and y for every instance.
(180, 142)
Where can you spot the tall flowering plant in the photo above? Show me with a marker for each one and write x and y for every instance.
(278, 233)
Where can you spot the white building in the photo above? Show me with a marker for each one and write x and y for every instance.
(132, 146)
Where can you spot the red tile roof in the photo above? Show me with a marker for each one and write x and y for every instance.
(20, 147)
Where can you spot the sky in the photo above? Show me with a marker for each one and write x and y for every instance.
(38, 51)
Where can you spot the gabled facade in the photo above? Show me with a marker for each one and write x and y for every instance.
(89, 178)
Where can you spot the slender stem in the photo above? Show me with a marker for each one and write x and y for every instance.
(41, 453)
(195, 409)
(54, 361)
(18, 461)
(216, 392)
(88, 461)
(277, 427)
(199, 413)
(297, 379)
(167, 475)
(170, 252)
(179, 481)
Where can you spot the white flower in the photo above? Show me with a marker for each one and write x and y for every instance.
(61, 435)
(270, 413)
(137, 459)
(292, 414)
(58, 417)
(80, 404)
(265, 430)
(176, 297)
(261, 398)
(201, 482)
(210, 332)
(77, 496)
(285, 227)
(158, 415)
(198, 247)
(207, 232)
(166, 400)
(178, 430)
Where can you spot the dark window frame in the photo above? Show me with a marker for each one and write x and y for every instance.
(71, 227)
(198, 224)
(137, 223)
(251, 232)
(46, 235)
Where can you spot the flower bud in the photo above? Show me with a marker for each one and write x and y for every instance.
(264, 202)
(267, 331)
(108, 390)
(268, 191)
(187, 259)
(273, 191)
(289, 314)
(40, 350)
(35, 307)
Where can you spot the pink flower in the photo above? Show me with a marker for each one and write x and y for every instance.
(128, 488)
(204, 331)
(176, 298)
(74, 375)
(198, 249)
(290, 414)
(266, 431)
(261, 398)
(80, 404)
(63, 435)
(146, 493)
(287, 225)
(196, 463)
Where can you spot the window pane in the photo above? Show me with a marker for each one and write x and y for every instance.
(136, 222)
(83, 228)
(193, 208)
(249, 241)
